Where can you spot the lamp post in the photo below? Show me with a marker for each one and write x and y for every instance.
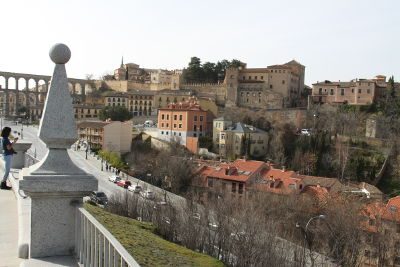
(101, 164)
(307, 239)
(87, 149)
(22, 130)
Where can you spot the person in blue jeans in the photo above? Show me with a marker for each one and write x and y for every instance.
(8, 152)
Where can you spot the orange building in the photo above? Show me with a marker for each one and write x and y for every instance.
(184, 123)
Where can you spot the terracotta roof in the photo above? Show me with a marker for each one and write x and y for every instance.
(239, 170)
(278, 181)
(391, 211)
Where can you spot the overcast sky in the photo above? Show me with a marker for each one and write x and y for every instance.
(334, 39)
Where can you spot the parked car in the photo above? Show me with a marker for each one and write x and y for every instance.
(99, 198)
(135, 188)
(148, 123)
(306, 132)
(124, 183)
(148, 194)
(114, 178)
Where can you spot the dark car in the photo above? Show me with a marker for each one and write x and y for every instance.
(99, 198)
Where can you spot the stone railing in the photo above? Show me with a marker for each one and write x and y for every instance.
(96, 246)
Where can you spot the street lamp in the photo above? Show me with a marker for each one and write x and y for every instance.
(87, 148)
(307, 237)
(101, 164)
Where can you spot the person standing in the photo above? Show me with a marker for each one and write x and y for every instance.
(8, 152)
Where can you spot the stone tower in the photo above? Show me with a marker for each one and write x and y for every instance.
(232, 86)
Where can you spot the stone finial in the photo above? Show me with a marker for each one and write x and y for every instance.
(60, 53)
(57, 126)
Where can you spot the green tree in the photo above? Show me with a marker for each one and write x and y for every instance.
(117, 113)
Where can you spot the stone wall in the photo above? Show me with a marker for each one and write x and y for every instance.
(215, 90)
(294, 116)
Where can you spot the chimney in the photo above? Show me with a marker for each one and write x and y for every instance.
(227, 171)
(362, 185)
(283, 168)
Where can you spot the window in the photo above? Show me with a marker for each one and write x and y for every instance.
(180, 125)
(174, 133)
(255, 77)
(167, 124)
(359, 91)
(270, 86)
(262, 77)
(180, 117)
(249, 77)
(179, 134)
(195, 128)
(283, 81)
(195, 135)
(175, 117)
(162, 124)
(201, 128)
(166, 133)
(174, 125)
(368, 91)
(162, 132)
(240, 188)
(331, 91)
(352, 90)
(233, 187)
(195, 118)
(167, 117)
(342, 91)
(201, 118)
(244, 78)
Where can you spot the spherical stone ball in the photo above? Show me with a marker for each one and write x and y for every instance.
(60, 53)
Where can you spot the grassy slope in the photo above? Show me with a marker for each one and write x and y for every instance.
(147, 248)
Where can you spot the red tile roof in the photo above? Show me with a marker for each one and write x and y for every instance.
(239, 170)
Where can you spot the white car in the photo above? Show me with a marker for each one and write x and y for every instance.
(306, 132)
(135, 188)
(114, 178)
(148, 194)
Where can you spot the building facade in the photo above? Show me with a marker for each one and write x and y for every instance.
(241, 139)
(355, 92)
(113, 136)
(183, 122)
(274, 87)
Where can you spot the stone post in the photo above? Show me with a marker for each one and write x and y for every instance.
(55, 185)
(20, 147)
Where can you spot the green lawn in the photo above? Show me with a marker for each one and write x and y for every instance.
(147, 248)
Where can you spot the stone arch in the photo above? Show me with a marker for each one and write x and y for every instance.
(22, 99)
(12, 83)
(22, 84)
(78, 88)
(32, 84)
(12, 96)
(42, 85)
(2, 82)
(32, 99)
